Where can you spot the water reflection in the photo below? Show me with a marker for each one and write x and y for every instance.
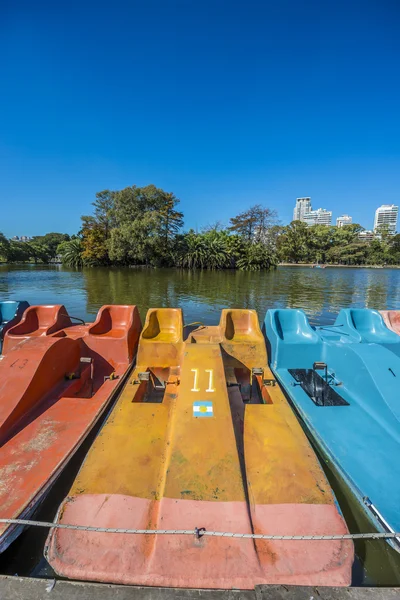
(202, 294)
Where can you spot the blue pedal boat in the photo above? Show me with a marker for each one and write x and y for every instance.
(10, 314)
(344, 382)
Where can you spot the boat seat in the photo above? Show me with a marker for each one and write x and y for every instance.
(161, 340)
(112, 321)
(240, 325)
(11, 312)
(115, 332)
(163, 325)
(38, 321)
(371, 327)
(293, 327)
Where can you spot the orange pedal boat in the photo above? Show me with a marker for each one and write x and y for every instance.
(201, 436)
(56, 379)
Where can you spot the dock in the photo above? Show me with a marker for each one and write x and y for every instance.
(26, 588)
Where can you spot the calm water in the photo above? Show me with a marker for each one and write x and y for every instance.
(202, 295)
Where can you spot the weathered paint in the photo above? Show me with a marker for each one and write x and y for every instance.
(50, 401)
(247, 468)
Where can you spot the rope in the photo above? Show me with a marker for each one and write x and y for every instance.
(201, 531)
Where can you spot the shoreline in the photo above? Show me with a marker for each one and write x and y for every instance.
(283, 264)
(329, 266)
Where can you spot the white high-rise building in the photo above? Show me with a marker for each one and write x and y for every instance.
(344, 220)
(303, 206)
(386, 215)
(321, 216)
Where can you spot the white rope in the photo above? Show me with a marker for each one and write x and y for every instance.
(201, 531)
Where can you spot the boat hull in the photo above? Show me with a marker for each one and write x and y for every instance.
(352, 416)
(54, 388)
(206, 452)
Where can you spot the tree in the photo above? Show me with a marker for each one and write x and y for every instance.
(4, 247)
(319, 240)
(49, 243)
(170, 221)
(253, 223)
(93, 242)
(104, 211)
(256, 258)
(71, 253)
(293, 243)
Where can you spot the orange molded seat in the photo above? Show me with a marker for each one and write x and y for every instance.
(37, 321)
(113, 320)
(116, 330)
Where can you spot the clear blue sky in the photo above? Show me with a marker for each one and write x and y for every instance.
(224, 103)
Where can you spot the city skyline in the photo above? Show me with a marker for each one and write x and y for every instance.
(386, 214)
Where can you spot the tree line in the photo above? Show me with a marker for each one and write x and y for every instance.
(144, 226)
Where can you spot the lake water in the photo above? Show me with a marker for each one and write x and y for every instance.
(202, 294)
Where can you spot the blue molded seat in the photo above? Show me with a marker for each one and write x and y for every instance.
(369, 324)
(11, 312)
(293, 327)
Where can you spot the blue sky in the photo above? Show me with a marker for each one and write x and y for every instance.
(224, 103)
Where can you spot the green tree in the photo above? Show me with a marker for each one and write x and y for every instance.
(293, 242)
(256, 257)
(71, 253)
(4, 248)
(49, 243)
(194, 251)
(104, 211)
(170, 222)
(252, 224)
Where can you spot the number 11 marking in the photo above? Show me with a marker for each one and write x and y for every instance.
(210, 381)
(196, 375)
(196, 388)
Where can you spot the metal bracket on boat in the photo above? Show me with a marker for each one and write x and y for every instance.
(199, 532)
(257, 371)
(142, 376)
(77, 374)
(88, 360)
(111, 377)
(380, 518)
(269, 382)
(321, 366)
(330, 378)
(160, 386)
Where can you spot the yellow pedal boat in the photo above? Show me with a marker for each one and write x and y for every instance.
(201, 437)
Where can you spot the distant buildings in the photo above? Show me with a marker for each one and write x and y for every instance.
(344, 220)
(386, 215)
(23, 238)
(366, 236)
(303, 206)
(321, 216)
